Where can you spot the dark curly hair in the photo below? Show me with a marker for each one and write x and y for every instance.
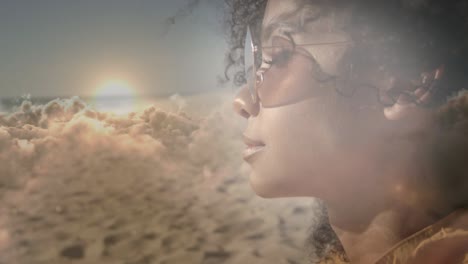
(405, 38)
(238, 16)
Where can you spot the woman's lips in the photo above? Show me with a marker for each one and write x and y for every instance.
(253, 148)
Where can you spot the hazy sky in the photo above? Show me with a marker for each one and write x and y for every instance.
(69, 47)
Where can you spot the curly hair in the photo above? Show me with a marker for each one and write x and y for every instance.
(238, 16)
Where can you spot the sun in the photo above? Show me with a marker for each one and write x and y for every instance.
(114, 88)
(116, 96)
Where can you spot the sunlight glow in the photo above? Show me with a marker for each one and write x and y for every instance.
(115, 96)
(115, 88)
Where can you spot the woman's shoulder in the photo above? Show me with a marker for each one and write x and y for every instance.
(445, 242)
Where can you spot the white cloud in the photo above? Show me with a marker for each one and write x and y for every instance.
(66, 147)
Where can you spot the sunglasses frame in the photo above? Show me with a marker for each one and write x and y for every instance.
(250, 50)
(430, 81)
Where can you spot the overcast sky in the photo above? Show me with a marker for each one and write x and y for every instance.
(68, 47)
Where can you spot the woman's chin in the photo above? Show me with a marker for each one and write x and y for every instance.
(269, 186)
(263, 186)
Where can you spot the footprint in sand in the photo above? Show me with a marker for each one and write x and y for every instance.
(73, 252)
(218, 256)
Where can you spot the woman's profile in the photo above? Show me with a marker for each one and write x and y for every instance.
(360, 103)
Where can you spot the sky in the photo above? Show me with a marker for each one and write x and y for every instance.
(64, 48)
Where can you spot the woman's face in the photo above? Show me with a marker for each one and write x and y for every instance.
(312, 145)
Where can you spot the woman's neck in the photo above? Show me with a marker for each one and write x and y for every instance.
(385, 207)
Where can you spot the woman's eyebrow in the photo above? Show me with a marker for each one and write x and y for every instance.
(292, 27)
(271, 28)
(268, 31)
(280, 22)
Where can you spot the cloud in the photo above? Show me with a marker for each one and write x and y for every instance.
(179, 101)
(39, 138)
(67, 129)
(160, 161)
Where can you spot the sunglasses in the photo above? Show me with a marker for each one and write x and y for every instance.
(291, 70)
(293, 74)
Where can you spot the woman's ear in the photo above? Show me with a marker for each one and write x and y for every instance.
(410, 103)
(399, 110)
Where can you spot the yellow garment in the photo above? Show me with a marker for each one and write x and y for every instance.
(445, 242)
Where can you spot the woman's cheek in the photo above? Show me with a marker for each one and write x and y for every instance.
(299, 144)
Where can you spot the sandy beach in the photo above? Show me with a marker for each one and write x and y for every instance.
(81, 186)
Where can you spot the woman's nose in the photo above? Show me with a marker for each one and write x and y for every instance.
(243, 103)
